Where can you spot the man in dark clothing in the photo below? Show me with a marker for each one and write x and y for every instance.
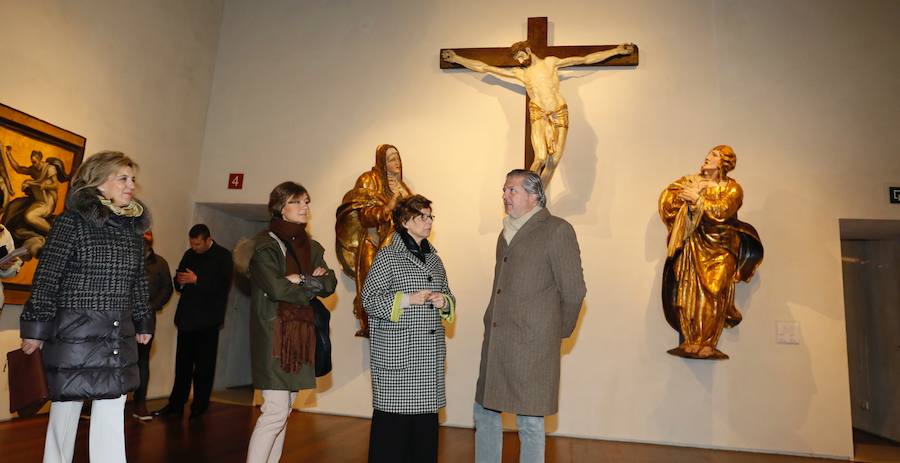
(203, 278)
(160, 282)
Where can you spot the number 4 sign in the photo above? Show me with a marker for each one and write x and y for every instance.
(235, 181)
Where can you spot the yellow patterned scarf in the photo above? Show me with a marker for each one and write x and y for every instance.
(133, 209)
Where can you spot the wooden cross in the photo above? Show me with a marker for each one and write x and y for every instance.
(537, 40)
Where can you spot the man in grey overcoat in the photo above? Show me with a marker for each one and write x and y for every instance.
(535, 301)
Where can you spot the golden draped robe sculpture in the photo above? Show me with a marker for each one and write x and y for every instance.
(709, 250)
(364, 222)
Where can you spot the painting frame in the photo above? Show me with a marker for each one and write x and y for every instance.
(23, 139)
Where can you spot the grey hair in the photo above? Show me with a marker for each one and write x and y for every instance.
(531, 182)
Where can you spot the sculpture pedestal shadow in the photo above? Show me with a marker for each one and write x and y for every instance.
(680, 352)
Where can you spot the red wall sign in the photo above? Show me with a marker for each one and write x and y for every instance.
(235, 181)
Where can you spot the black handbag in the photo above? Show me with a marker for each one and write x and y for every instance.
(323, 337)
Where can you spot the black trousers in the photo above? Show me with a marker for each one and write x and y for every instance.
(396, 438)
(195, 360)
(140, 394)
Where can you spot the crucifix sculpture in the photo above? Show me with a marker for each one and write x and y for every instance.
(535, 65)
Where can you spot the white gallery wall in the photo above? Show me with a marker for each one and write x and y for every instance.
(805, 91)
(127, 75)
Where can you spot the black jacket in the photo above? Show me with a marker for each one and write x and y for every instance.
(159, 279)
(202, 305)
(89, 297)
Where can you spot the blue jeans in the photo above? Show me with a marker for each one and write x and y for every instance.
(489, 436)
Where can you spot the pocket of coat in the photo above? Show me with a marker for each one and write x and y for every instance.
(390, 349)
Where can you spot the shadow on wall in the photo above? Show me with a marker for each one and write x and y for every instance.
(578, 183)
(492, 188)
(583, 149)
(688, 391)
(655, 253)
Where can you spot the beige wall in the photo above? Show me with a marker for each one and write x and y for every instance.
(128, 75)
(804, 90)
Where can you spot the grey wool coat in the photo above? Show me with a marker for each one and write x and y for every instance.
(407, 356)
(88, 299)
(535, 301)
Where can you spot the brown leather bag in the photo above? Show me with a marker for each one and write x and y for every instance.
(27, 383)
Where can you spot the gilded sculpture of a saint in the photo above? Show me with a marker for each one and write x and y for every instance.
(364, 222)
(709, 251)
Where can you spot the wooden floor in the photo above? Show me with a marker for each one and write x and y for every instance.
(221, 436)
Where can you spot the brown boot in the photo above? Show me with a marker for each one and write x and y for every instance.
(140, 412)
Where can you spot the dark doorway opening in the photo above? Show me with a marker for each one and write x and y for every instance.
(870, 253)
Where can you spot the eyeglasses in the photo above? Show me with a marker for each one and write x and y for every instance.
(426, 217)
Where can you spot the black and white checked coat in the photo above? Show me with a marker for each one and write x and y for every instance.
(407, 357)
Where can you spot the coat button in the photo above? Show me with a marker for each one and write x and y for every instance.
(116, 323)
(498, 291)
(429, 278)
(494, 324)
(432, 331)
(505, 258)
(115, 351)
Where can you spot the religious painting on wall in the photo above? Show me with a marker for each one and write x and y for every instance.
(37, 160)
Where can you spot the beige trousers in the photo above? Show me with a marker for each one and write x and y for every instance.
(267, 439)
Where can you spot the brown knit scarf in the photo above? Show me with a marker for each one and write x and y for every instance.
(294, 340)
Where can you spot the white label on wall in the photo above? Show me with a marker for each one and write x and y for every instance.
(787, 332)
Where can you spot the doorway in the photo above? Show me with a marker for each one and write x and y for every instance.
(870, 254)
(228, 224)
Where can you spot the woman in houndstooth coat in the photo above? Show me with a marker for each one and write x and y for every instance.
(88, 307)
(406, 296)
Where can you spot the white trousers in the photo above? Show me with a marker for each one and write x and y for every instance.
(267, 439)
(107, 434)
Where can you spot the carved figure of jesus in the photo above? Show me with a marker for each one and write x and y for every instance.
(548, 112)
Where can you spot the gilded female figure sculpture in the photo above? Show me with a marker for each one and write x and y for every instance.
(364, 221)
(709, 250)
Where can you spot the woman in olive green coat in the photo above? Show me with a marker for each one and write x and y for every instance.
(287, 270)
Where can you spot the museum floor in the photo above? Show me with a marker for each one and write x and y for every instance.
(221, 436)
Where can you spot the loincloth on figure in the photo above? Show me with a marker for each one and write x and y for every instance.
(556, 119)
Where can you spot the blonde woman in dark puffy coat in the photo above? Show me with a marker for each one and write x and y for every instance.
(88, 307)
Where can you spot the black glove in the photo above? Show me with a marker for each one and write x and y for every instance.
(312, 284)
